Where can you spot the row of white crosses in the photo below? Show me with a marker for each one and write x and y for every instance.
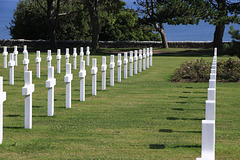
(29, 88)
(208, 125)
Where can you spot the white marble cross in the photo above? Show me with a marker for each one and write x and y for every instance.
(131, 64)
(144, 59)
(67, 55)
(125, 62)
(135, 62)
(49, 58)
(111, 66)
(82, 75)
(151, 54)
(58, 57)
(50, 83)
(140, 60)
(119, 64)
(208, 140)
(38, 61)
(68, 80)
(81, 54)
(11, 64)
(104, 69)
(5, 54)
(147, 57)
(2, 99)
(94, 71)
(210, 110)
(25, 60)
(27, 91)
(74, 58)
(15, 52)
(88, 56)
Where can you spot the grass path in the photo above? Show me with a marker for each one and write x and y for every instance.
(143, 117)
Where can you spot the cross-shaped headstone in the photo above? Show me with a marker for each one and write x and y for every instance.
(27, 91)
(140, 60)
(131, 64)
(144, 59)
(125, 62)
(2, 99)
(104, 69)
(151, 54)
(49, 58)
(25, 60)
(111, 66)
(147, 57)
(11, 64)
(67, 55)
(58, 57)
(94, 71)
(5, 54)
(119, 64)
(15, 55)
(135, 62)
(81, 54)
(88, 56)
(50, 83)
(74, 58)
(82, 75)
(38, 62)
(68, 79)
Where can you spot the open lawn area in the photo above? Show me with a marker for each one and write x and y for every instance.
(143, 117)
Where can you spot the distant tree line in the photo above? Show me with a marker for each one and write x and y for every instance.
(109, 19)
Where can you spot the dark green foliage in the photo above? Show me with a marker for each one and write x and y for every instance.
(199, 71)
(116, 22)
(234, 47)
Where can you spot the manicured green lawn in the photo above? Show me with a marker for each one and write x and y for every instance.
(143, 117)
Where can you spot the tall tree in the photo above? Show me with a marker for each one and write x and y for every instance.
(52, 12)
(93, 11)
(151, 11)
(222, 12)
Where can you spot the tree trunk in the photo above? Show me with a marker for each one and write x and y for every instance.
(218, 36)
(163, 35)
(93, 11)
(51, 24)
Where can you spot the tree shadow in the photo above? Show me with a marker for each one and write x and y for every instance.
(187, 146)
(186, 92)
(176, 118)
(11, 127)
(13, 115)
(171, 131)
(156, 146)
(182, 97)
(186, 53)
(178, 109)
(181, 102)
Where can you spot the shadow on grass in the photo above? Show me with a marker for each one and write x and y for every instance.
(37, 106)
(13, 115)
(39, 115)
(187, 146)
(181, 102)
(156, 146)
(171, 131)
(11, 127)
(182, 97)
(186, 53)
(178, 109)
(176, 118)
(186, 92)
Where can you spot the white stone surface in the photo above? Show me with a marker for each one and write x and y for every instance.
(119, 65)
(140, 61)
(144, 59)
(2, 99)
(215, 51)
(38, 62)
(11, 65)
(15, 52)
(151, 54)
(125, 62)
(25, 60)
(210, 110)
(27, 91)
(212, 83)
(5, 54)
(82, 75)
(111, 66)
(88, 56)
(68, 80)
(94, 71)
(213, 76)
(212, 94)
(58, 57)
(67, 55)
(49, 58)
(213, 71)
(147, 57)
(50, 83)
(81, 54)
(131, 64)
(104, 72)
(74, 58)
(208, 140)
(135, 62)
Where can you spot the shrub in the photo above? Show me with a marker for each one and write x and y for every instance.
(199, 71)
